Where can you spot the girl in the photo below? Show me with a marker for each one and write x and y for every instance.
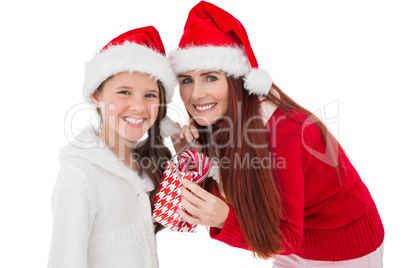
(101, 200)
(284, 187)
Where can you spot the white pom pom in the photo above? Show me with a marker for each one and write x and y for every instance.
(167, 127)
(258, 82)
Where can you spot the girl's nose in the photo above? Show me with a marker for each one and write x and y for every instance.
(137, 104)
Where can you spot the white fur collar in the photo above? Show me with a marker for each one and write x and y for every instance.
(88, 146)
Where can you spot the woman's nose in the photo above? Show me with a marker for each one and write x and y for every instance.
(199, 91)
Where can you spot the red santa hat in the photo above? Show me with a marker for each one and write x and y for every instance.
(139, 50)
(215, 40)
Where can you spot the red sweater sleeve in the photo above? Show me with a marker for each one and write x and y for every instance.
(230, 233)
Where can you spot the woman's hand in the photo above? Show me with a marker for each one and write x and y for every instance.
(205, 208)
(185, 135)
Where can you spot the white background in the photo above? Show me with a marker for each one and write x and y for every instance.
(343, 55)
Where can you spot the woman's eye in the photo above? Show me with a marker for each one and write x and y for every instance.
(124, 92)
(186, 81)
(211, 78)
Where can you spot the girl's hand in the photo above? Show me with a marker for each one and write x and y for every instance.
(205, 208)
(185, 136)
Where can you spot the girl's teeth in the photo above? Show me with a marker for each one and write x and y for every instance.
(206, 107)
(134, 121)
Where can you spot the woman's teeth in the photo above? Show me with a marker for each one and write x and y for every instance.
(206, 107)
(134, 121)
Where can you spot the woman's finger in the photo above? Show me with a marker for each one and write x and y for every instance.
(180, 132)
(187, 133)
(193, 199)
(197, 190)
(188, 218)
(184, 136)
(178, 140)
(192, 209)
(194, 131)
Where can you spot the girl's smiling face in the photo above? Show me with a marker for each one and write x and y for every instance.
(205, 95)
(129, 104)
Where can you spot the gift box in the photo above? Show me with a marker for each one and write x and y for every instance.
(192, 166)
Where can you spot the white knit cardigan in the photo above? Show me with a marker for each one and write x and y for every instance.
(101, 210)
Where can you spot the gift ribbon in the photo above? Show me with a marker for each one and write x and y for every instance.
(183, 149)
(192, 161)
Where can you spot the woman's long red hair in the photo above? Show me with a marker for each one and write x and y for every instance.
(251, 191)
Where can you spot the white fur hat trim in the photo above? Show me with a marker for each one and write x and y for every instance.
(128, 57)
(168, 127)
(258, 82)
(233, 61)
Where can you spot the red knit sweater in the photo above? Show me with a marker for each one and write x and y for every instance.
(322, 220)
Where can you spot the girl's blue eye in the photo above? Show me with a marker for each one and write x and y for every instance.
(211, 78)
(124, 92)
(150, 95)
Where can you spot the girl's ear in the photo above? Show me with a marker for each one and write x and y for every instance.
(95, 98)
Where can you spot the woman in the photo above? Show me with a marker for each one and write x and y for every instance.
(108, 178)
(284, 187)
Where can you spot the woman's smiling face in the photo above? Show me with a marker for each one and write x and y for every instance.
(205, 95)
